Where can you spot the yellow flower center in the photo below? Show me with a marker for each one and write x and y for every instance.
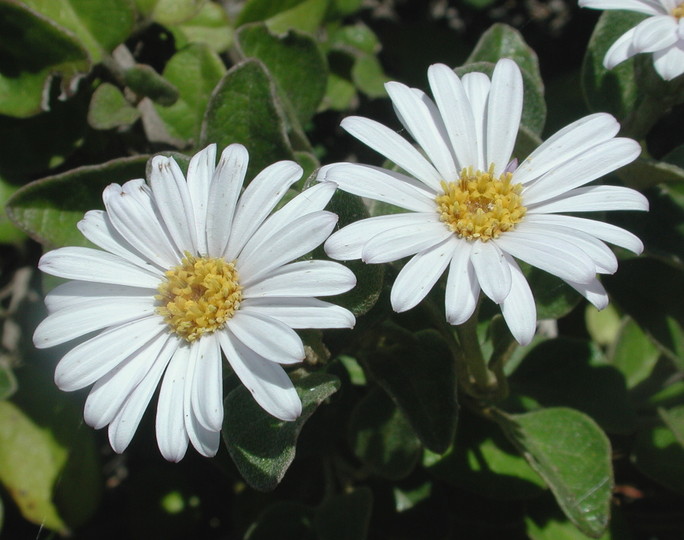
(479, 206)
(678, 12)
(199, 296)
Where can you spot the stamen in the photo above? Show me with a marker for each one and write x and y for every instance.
(480, 207)
(199, 296)
(678, 12)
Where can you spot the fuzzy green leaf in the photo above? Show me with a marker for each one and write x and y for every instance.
(48, 209)
(382, 438)
(295, 62)
(262, 446)
(571, 453)
(144, 80)
(109, 108)
(244, 109)
(417, 371)
(634, 354)
(346, 516)
(169, 12)
(194, 71)
(210, 27)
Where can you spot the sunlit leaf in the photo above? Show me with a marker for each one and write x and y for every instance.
(109, 108)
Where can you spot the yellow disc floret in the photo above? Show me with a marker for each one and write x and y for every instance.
(678, 12)
(199, 296)
(479, 206)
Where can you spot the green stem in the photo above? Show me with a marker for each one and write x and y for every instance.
(476, 365)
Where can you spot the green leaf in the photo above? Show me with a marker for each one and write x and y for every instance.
(194, 71)
(503, 41)
(244, 109)
(32, 48)
(484, 462)
(655, 304)
(545, 522)
(210, 27)
(8, 382)
(573, 373)
(616, 90)
(48, 209)
(260, 10)
(307, 17)
(417, 371)
(341, 8)
(645, 172)
(295, 62)
(48, 462)
(34, 145)
(99, 26)
(634, 354)
(354, 39)
(369, 277)
(345, 517)
(9, 234)
(145, 81)
(262, 446)
(368, 76)
(109, 108)
(658, 454)
(572, 454)
(286, 519)
(603, 325)
(169, 12)
(674, 419)
(382, 438)
(340, 93)
(534, 106)
(553, 297)
(308, 162)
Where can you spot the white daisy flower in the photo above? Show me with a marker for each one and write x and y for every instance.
(473, 211)
(662, 34)
(190, 269)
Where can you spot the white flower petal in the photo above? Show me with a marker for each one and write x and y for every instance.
(300, 237)
(301, 312)
(655, 33)
(621, 50)
(97, 227)
(266, 336)
(381, 185)
(518, 309)
(650, 7)
(224, 190)
(173, 202)
(592, 199)
(200, 174)
(312, 200)
(669, 63)
(393, 147)
(603, 231)
(111, 391)
(205, 440)
(552, 255)
(504, 107)
(92, 359)
(594, 163)
(420, 274)
(303, 278)
(74, 293)
(123, 426)
(172, 437)
(129, 209)
(67, 324)
(565, 145)
(600, 254)
(492, 270)
(269, 384)
(456, 112)
(477, 87)
(418, 119)
(462, 288)
(88, 264)
(206, 391)
(592, 291)
(404, 241)
(347, 243)
(257, 201)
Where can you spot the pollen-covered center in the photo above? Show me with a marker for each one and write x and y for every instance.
(199, 296)
(479, 206)
(678, 12)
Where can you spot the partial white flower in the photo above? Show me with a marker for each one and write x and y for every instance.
(662, 34)
(472, 211)
(191, 269)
